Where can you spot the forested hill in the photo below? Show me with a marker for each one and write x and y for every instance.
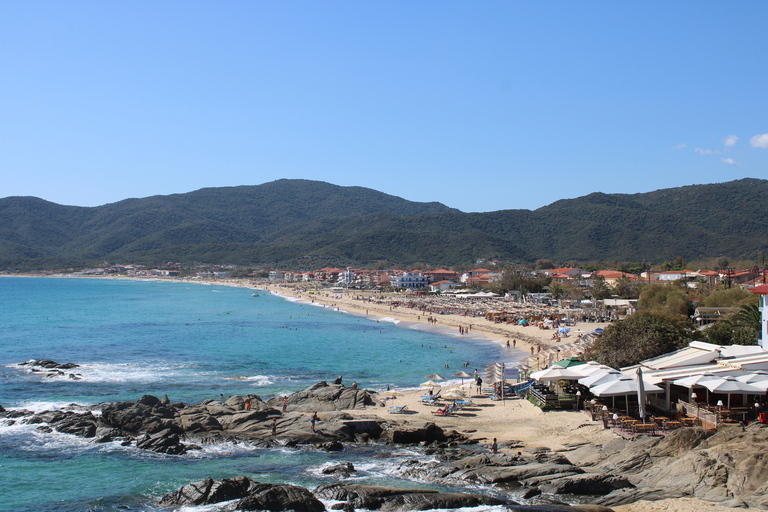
(301, 223)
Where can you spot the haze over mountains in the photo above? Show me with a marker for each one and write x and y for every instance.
(301, 223)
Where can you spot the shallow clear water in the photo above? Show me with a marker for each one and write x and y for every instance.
(191, 342)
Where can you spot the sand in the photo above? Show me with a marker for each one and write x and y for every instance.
(514, 421)
(522, 338)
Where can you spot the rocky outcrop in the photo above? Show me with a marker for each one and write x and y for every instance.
(326, 397)
(251, 495)
(157, 424)
(374, 497)
(47, 368)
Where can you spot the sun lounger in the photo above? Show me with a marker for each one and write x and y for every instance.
(396, 409)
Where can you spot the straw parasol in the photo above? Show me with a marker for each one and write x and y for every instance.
(462, 375)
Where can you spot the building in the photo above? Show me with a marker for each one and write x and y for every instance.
(762, 290)
(409, 280)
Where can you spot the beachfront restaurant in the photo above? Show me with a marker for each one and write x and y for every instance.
(709, 385)
(700, 385)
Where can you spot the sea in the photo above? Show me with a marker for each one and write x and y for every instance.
(192, 342)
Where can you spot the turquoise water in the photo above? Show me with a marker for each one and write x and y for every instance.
(191, 342)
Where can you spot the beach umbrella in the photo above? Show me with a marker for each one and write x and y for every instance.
(435, 376)
(752, 378)
(595, 380)
(522, 321)
(695, 381)
(592, 366)
(430, 384)
(623, 386)
(556, 373)
(730, 386)
(462, 376)
(563, 330)
(641, 393)
(570, 362)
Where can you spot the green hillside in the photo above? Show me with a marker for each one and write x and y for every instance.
(303, 223)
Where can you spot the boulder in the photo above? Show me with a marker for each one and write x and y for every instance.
(209, 491)
(344, 470)
(165, 441)
(374, 497)
(589, 483)
(280, 497)
(326, 397)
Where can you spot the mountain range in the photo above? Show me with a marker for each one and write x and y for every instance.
(302, 223)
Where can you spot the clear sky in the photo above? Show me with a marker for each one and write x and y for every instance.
(479, 105)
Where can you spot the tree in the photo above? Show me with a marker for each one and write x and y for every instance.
(639, 337)
(725, 332)
(625, 288)
(544, 264)
(729, 297)
(668, 297)
(600, 288)
(748, 316)
(556, 290)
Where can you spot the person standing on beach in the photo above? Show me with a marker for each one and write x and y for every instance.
(285, 404)
(494, 447)
(479, 383)
(274, 427)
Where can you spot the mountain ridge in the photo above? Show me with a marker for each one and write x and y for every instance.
(287, 222)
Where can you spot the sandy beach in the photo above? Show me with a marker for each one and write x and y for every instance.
(515, 421)
(534, 344)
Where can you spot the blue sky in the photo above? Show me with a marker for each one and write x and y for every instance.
(479, 105)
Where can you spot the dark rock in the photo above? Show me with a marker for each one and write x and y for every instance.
(589, 483)
(393, 499)
(531, 493)
(48, 364)
(334, 446)
(280, 497)
(345, 469)
(165, 441)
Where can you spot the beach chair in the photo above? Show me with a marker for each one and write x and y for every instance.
(397, 409)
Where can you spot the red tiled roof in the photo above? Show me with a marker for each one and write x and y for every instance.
(762, 289)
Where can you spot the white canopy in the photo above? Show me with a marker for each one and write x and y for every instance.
(555, 373)
(695, 380)
(593, 377)
(598, 380)
(624, 386)
(729, 385)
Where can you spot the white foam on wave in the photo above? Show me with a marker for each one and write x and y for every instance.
(38, 407)
(390, 320)
(258, 380)
(117, 372)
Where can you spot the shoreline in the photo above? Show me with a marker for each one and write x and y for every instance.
(534, 346)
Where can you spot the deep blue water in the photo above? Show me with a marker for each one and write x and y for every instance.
(191, 342)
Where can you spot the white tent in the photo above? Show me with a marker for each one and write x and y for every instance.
(623, 386)
(555, 373)
(730, 386)
(597, 376)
